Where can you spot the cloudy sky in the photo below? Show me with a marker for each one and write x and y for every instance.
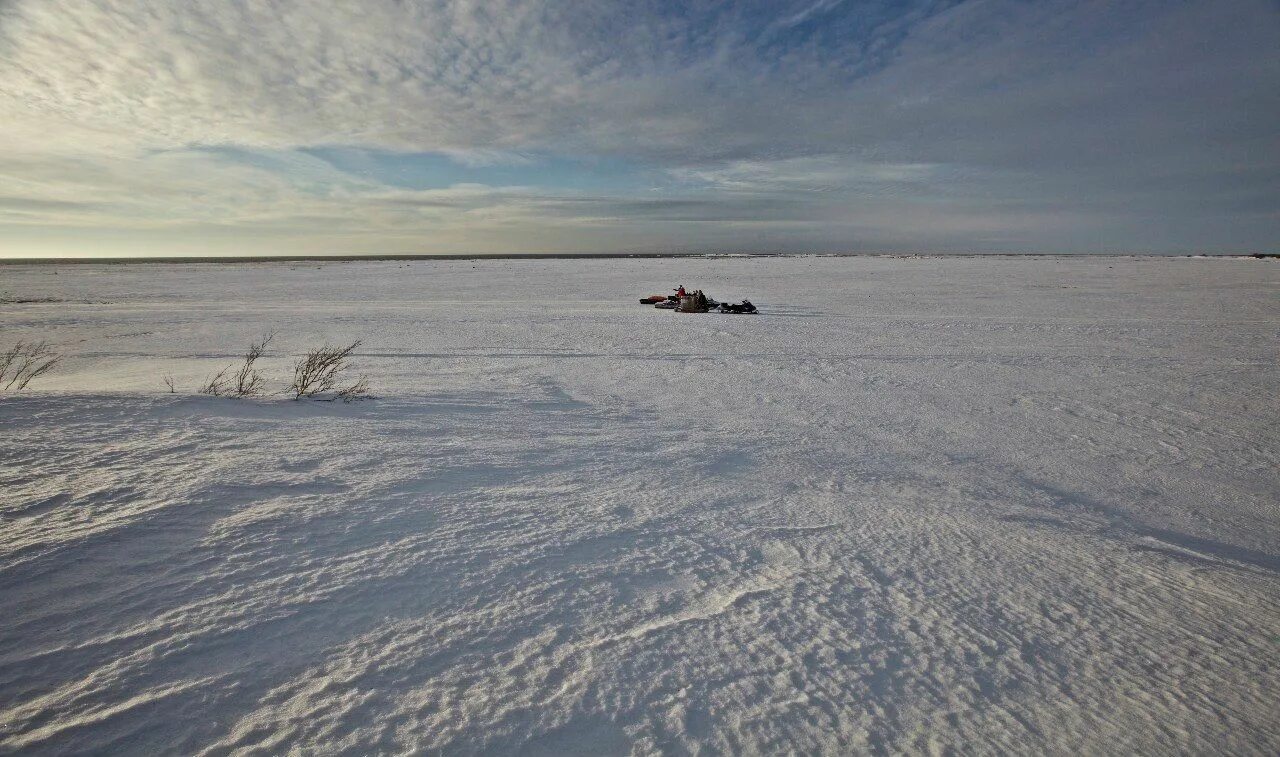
(299, 127)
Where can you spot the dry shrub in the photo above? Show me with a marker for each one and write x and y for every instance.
(321, 370)
(216, 385)
(357, 391)
(246, 381)
(320, 374)
(25, 361)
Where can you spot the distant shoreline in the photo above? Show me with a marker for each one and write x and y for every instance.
(605, 256)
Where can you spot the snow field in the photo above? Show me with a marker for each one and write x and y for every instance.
(1012, 504)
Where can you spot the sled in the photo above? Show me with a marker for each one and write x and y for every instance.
(694, 303)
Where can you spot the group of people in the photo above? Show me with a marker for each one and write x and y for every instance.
(697, 302)
(694, 302)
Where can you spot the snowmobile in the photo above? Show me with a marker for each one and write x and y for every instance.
(744, 307)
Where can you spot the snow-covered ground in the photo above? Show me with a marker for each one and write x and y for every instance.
(1010, 504)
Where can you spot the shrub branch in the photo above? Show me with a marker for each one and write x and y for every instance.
(320, 370)
(245, 381)
(25, 361)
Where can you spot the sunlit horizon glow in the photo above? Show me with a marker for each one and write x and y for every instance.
(293, 128)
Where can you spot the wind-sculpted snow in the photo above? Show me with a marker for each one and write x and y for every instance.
(1012, 505)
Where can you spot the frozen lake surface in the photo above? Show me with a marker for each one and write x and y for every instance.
(1009, 504)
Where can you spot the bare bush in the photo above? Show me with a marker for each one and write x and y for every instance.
(169, 382)
(356, 391)
(320, 371)
(25, 361)
(216, 385)
(245, 381)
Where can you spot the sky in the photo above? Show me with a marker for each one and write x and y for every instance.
(274, 127)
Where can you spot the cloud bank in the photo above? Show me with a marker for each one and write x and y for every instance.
(299, 127)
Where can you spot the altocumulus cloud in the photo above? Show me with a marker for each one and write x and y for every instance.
(301, 127)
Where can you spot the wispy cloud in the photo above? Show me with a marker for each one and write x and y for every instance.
(527, 125)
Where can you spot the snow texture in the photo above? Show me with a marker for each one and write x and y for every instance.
(993, 505)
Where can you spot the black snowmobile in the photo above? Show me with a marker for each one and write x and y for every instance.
(743, 307)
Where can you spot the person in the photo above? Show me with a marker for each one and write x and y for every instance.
(680, 291)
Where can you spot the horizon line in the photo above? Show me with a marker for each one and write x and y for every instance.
(181, 259)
